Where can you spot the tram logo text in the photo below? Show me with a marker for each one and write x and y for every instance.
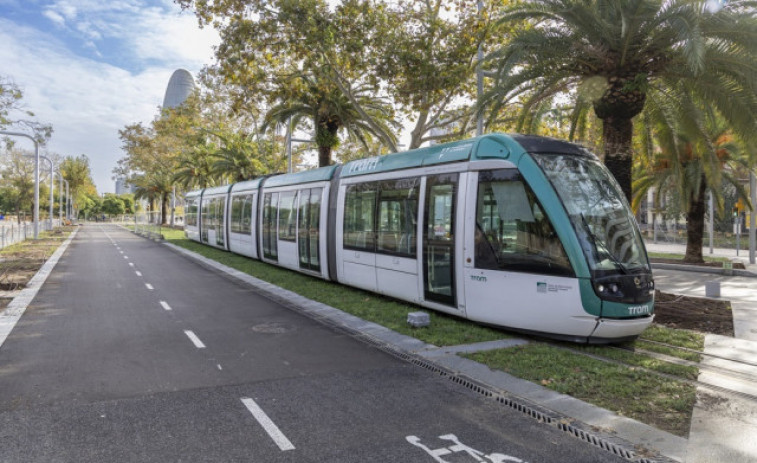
(638, 309)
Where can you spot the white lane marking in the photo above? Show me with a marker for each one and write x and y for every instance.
(165, 305)
(126, 257)
(149, 286)
(270, 427)
(120, 251)
(131, 264)
(219, 366)
(195, 340)
(139, 274)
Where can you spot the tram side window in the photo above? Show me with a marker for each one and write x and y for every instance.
(241, 210)
(270, 207)
(359, 209)
(287, 217)
(512, 230)
(398, 217)
(191, 214)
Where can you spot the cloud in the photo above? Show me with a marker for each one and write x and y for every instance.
(55, 17)
(87, 101)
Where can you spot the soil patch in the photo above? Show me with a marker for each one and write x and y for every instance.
(693, 313)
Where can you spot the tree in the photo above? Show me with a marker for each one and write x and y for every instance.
(17, 182)
(11, 108)
(302, 58)
(195, 167)
(314, 98)
(113, 205)
(236, 159)
(425, 54)
(77, 172)
(611, 53)
(696, 153)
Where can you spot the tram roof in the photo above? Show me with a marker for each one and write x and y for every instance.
(216, 190)
(490, 146)
(248, 185)
(321, 174)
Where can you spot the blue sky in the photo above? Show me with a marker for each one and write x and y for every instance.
(90, 67)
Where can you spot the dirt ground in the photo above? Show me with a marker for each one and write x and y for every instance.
(694, 313)
(19, 263)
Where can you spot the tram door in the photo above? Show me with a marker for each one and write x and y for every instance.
(309, 228)
(439, 239)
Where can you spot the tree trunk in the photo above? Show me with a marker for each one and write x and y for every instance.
(617, 134)
(695, 224)
(164, 209)
(324, 156)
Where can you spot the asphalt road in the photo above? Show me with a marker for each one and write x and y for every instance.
(132, 352)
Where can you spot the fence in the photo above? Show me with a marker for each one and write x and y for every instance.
(148, 224)
(675, 233)
(12, 233)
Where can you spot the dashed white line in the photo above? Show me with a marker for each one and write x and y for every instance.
(149, 286)
(126, 257)
(219, 366)
(131, 264)
(139, 274)
(195, 340)
(165, 305)
(270, 427)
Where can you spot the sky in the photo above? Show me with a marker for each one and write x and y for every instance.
(91, 67)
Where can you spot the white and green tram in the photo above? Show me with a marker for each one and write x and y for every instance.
(523, 232)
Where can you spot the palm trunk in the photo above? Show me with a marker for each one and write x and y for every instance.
(695, 224)
(324, 156)
(617, 134)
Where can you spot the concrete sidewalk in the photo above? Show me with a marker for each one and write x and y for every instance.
(724, 425)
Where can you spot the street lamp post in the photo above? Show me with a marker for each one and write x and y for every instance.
(36, 176)
(52, 185)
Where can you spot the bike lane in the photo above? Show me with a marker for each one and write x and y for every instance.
(120, 378)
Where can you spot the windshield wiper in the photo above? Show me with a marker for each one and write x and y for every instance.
(598, 242)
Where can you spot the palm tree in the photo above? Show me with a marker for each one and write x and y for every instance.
(612, 53)
(195, 167)
(236, 159)
(154, 186)
(696, 153)
(325, 105)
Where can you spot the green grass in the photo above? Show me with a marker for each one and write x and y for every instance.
(643, 361)
(628, 391)
(444, 330)
(679, 338)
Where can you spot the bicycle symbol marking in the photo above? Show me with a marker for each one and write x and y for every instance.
(459, 447)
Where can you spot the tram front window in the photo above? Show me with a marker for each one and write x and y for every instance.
(512, 230)
(600, 215)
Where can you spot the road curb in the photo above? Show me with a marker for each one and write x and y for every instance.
(703, 269)
(16, 308)
(597, 425)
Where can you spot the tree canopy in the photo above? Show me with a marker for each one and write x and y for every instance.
(610, 54)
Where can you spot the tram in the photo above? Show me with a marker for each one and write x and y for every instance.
(523, 232)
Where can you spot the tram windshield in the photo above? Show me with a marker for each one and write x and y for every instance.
(608, 233)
